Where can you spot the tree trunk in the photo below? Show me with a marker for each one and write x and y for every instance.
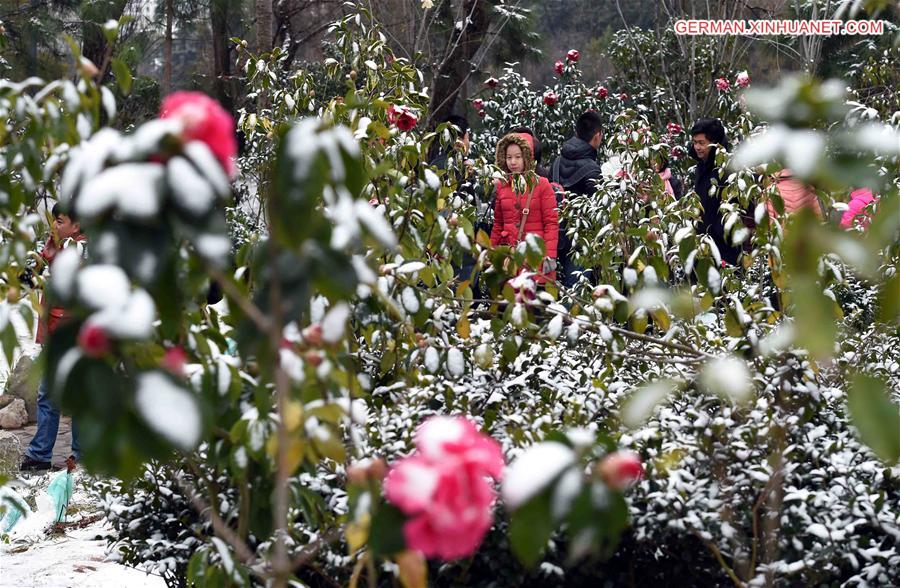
(456, 66)
(167, 50)
(221, 59)
(264, 20)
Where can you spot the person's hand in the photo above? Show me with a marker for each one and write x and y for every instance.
(548, 266)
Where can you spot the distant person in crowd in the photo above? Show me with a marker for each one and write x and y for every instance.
(518, 212)
(578, 171)
(860, 199)
(66, 232)
(459, 132)
(705, 135)
(795, 194)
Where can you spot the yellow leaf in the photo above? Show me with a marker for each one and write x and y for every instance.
(357, 533)
(413, 570)
(463, 327)
(293, 415)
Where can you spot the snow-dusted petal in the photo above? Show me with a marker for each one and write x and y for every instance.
(190, 190)
(103, 286)
(533, 470)
(169, 409)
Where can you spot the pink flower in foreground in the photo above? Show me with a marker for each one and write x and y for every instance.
(602, 92)
(204, 120)
(742, 80)
(478, 104)
(623, 96)
(673, 128)
(722, 84)
(621, 469)
(444, 487)
(550, 98)
(559, 67)
(573, 55)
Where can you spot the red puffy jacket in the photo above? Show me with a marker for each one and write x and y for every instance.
(543, 217)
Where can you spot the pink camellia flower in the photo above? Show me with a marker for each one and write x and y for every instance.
(402, 117)
(94, 341)
(492, 83)
(602, 92)
(676, 152)
(722, 84)
(445, 488)
(742, 80)
(673, 128)
(559, 67)
(573, 55)
(478, 104)
(481, 113)
(174, 361)
(623, 96)
(204, 120)
(621, 469)
(550, 98)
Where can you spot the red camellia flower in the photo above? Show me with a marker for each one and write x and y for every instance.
(312, 334)
(602, 92)
(623, 96)
(550, 98)
(94, 341)
(402, 117)
(676, 152)
(481, 113)
(742, 80)
(722, 84)
(204, 120)
(621, 469)
(478, 104)
(559, 67)
(174, 360)
(673, 128)
(573, 55)
(444, 487)
(492, 83)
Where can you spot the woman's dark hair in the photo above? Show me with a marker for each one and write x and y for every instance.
(713, 129)
(538, 147)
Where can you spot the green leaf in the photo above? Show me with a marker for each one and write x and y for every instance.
(876, 417)
(386, 533)
(530, 528)
(813, 311)
(123, 75)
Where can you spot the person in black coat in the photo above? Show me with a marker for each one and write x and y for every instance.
(705, 135)
(577, 171)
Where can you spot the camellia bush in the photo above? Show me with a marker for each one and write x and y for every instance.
(356, 409)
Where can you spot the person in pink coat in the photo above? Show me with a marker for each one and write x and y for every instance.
(859, 200)
(795, 194)
(518, 213)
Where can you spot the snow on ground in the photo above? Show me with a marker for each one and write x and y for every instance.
(78, 555)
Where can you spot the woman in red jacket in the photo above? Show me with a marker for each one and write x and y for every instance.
(518, 210)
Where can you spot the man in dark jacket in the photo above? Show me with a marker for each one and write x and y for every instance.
(705, 135)
(577, 171)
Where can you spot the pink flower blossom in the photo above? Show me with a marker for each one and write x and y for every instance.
(550, 98)
(573, 55)
(174, 360)
(402, 117)
(602, 92)
(204, 120)
(621, 469)
(722, 84)
(673, 128)
(478, 104)
(559, 67)
(492, 83)
(444, 487)
(677, 152)
(623, 96)
(93, 340)
(742, 80)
